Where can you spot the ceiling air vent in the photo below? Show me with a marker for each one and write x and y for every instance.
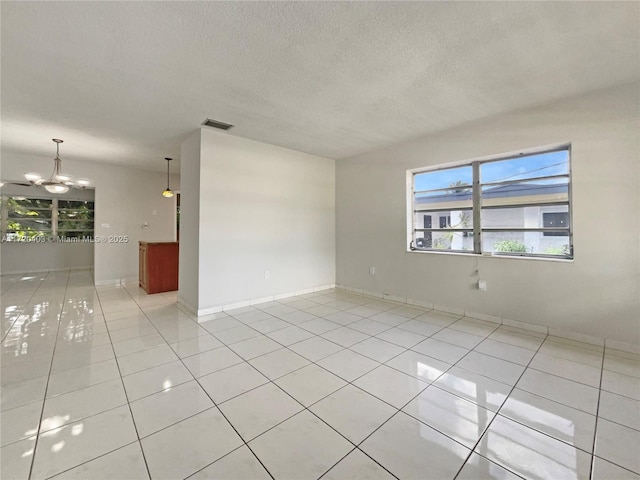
(216, 124)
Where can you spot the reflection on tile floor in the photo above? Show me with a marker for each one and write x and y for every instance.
(108, 382)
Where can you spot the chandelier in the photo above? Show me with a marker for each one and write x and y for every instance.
(58, 182)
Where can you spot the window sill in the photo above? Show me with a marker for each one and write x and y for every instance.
(45, 242)
(490, 255)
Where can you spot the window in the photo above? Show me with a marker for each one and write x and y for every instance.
(30, 219)
(517, 205)
(75, 218)
(27, 217)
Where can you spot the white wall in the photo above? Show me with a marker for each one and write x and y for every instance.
(125, 198)
(189, 269)
(262, 208)
(597, 294)
(33, 257)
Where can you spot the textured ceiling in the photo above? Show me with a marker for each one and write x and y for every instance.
(126, 82)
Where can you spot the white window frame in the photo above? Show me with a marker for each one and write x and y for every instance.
(476, 188)
(51, 234)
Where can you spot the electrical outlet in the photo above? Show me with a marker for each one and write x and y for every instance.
(267, 274)
(372, 270)
(482, 285)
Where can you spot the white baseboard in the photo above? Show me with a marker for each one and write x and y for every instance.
(111, 281)
(46, 270)
(535, 329)
(117, 281)
(532, 327)
(201, 312)
(613, 346)
(576, 337)
(183, 304)
(483, 316)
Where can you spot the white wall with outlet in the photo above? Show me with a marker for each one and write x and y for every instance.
(266, 220)
(124, 200)
(597, 294)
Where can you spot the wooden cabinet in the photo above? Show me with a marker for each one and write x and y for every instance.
(158, 262)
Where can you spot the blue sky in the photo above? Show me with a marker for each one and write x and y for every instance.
(552, 163)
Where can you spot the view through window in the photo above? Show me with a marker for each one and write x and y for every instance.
(45, 219)
(518, 205)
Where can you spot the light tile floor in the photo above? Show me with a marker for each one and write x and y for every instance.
(108, 382)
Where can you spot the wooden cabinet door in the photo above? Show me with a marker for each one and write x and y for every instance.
(159, 267)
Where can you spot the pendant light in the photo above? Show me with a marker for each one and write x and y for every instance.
(168, 192)
(58, 182)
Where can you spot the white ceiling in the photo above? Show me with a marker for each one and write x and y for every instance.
(126, 82)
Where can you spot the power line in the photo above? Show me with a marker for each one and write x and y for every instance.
(452, 185)
(530, 171)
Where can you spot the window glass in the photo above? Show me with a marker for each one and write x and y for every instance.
(524, 243)
(456, 179)
(24, 218)
(525, 167)
(27, 218)
(523, 204)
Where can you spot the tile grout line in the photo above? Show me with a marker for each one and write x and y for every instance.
(596, 415)
(286, 393)
(363, 453)
(405, 349)
(455, 319)
(355, 386)
(398, 410)
(92, 459)
(133, 420)
(226, 455)
(272, 381)
(595, 426)
(431, 383)
(245, 361)
(307, 408)
(53, 353)
(4, 336)
(497, 413)
(214, 405)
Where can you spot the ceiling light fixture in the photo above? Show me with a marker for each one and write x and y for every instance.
(58, 182)
(168, 192)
